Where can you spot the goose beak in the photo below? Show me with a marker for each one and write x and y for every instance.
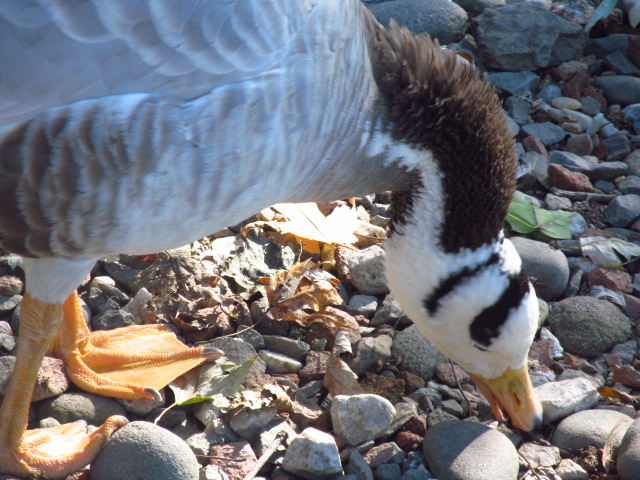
(513, 392)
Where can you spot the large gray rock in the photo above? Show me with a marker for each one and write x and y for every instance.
(623, 210)
(144, 451)
(588, 326)
(521, 37)
(442, 19)
(547, 265)
(459, 450)
(367, 271)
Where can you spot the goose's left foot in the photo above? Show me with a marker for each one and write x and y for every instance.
(129, 362)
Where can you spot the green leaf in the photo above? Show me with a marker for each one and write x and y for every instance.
(222, 380)
(523, 217)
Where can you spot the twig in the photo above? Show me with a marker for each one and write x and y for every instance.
(532, 469)
(264, 458)
(582, 196)
(464, 394)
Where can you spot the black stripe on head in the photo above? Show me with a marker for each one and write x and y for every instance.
(486, 326)
(432, 302)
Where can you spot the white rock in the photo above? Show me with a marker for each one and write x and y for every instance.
(360, 418)
(312, 455)
(278, 363)
(367, 271)
(561, 399)
(569, 470)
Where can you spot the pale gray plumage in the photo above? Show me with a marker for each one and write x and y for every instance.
(145, 109)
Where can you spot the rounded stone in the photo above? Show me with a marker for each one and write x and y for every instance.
(588, 326)
(313, 454)
(622, 210)
(460, 450)
(566, 102)
(590, 427)
(360, 418)
(547, 265)
(70, 407)
(144, 451)
(628, 463)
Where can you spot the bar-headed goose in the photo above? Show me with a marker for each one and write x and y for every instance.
(134, 127)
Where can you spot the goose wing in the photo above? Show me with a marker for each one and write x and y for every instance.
(68, 51)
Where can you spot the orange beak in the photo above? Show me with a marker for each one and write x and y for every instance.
(513, 392)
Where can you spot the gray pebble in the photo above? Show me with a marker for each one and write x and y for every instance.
(547, 132)
(278, 363)
(621, 89)
(630, 185)
(363, 305)
(369, 351)
(144, 451)
(290, 347)
(549, 266)
(70, 407)
(367, 271)
(359, 467)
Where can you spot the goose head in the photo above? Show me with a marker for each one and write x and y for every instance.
(448, 262)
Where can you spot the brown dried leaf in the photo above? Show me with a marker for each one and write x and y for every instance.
(332, 319)
(301, 291)
(342, 344)
(340, 379)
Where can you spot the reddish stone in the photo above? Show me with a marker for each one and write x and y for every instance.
(575, 85)
(613, 360)
(417, 425)
(315, 366)
(446, 375)
(342, 255)
(600, 152)
(533, 144)
(566, 70)
(408, 440)
(612, 279)
(633, 50)
(580, 144)
(565, 179)
(236, 459)
(627, 375)
(412, 381)
(572, 361)
(362, 320)
(381, 454)
(542, 352)
(10, 286)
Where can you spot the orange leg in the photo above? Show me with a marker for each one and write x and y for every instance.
(53, 452)
(129, 362)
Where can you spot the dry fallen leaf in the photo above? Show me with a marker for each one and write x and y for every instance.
(300, 293)
(340, 379)
(306, 224)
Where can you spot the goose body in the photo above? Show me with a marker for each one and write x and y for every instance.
(138, 127)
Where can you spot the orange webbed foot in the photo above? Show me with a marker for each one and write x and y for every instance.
(129, 362)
